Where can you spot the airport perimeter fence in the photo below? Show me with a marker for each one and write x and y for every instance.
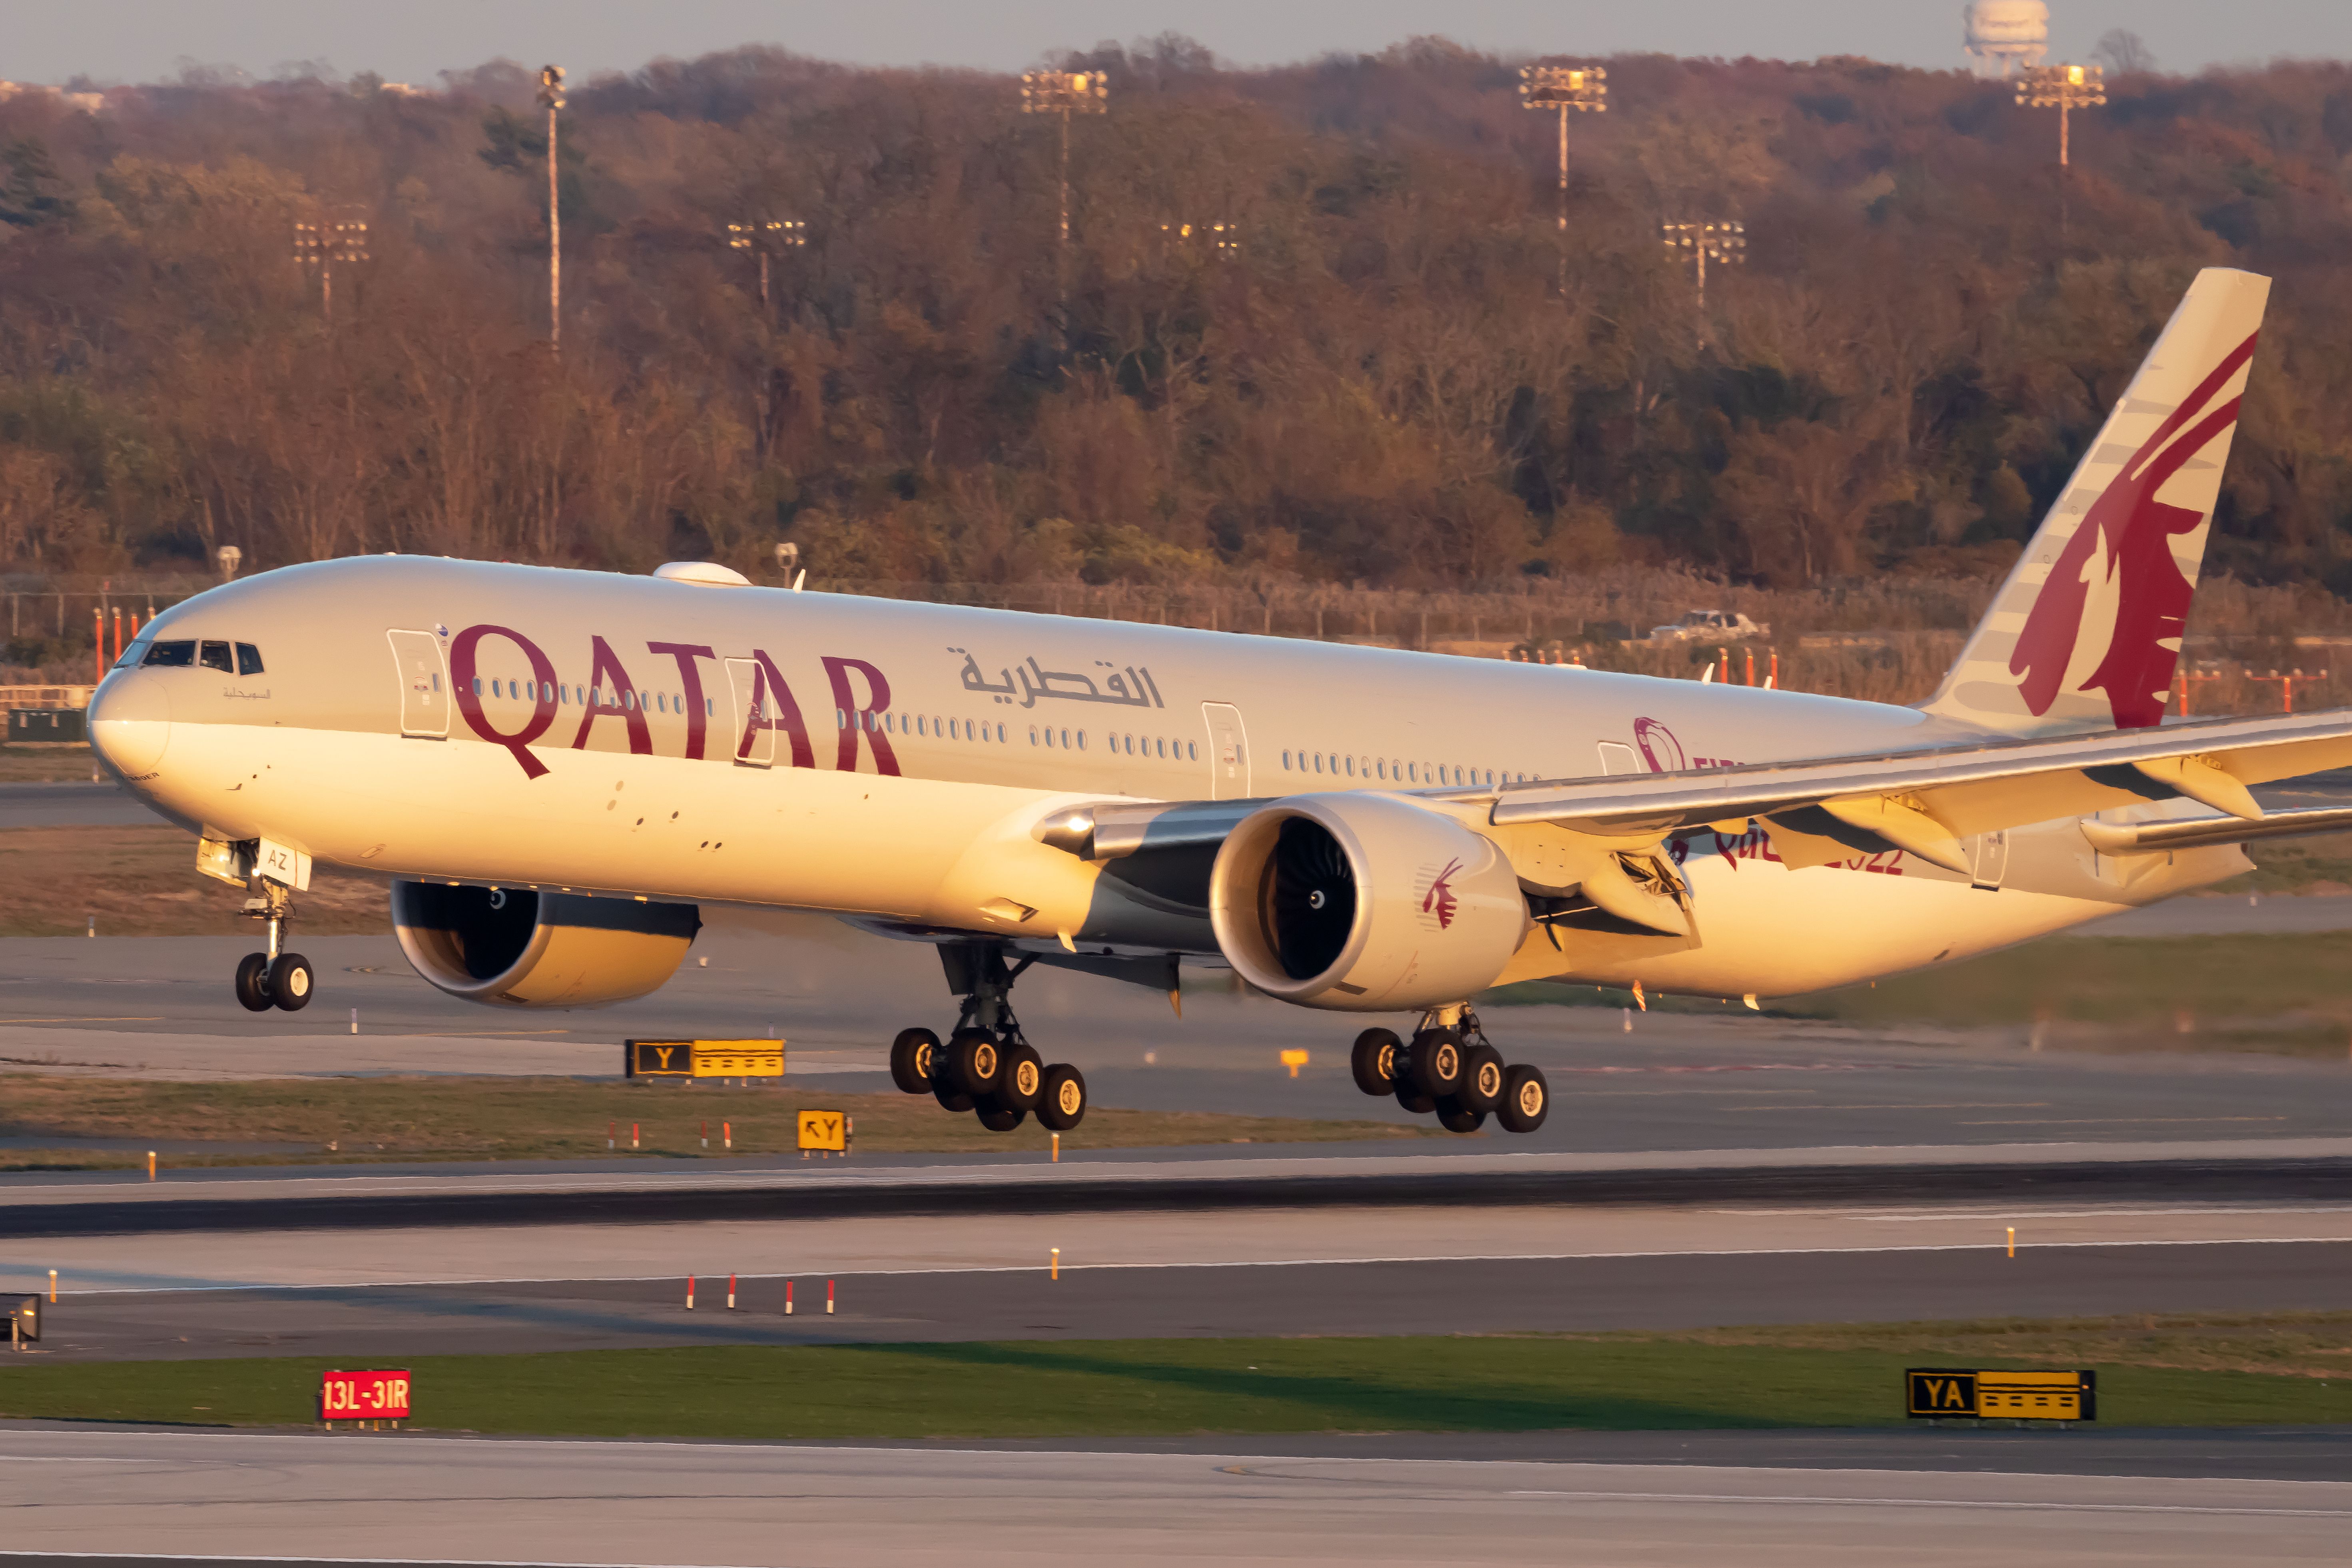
(1889, 641)
(1879, 641)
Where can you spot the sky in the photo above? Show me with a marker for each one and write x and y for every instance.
(414, 40)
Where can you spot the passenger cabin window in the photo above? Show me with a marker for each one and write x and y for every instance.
(248, 660)
(170, 655)
(216, 656)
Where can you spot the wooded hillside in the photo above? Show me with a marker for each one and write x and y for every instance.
(1377, 382)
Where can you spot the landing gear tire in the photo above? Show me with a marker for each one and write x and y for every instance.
(1020, 1080)
(914, 1059)
(1374, 1061)
(997, 1116)
(1437, 1062)
(253, 982)
(1061, 1097)
(1455, 1117)
(953, 1099)
(1412, 1100)
(1526, 1100)
(1483, 1073)
(292, 983)
(974, 1060)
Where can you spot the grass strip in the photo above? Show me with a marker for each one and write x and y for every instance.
(2278, 994)
(1147, 1388)
(142, 881)
(378, 1118)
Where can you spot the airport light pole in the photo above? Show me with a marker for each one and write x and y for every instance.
(1725, 243)
(1224, 240)
(550, 97)
(323, 243)
(2064, 88)
(765, 239)
(1564, 88)
(1064, 94)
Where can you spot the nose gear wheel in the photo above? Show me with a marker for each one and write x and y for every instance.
(274, 978)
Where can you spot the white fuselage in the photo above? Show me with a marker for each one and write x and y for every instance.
(890, 762)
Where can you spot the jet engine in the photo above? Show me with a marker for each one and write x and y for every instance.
(507, 948)
(1364, 903)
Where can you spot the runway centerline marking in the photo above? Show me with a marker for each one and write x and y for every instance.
(157, 1019)
(2119, 1121)
(1993, 1209)
(1959, 1105)
(1987, 1504)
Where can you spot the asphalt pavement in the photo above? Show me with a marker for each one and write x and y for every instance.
(161, 1008)
(78, 803)
(394, 1497)
(1418, 1296)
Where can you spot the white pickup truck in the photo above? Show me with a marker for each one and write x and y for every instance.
(1709, 625)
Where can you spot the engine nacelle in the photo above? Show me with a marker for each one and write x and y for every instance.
(1364, 903)
(508, 947)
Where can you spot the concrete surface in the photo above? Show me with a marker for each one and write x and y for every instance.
(397, 1499)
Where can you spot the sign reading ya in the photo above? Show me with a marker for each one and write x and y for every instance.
(1950, 1393)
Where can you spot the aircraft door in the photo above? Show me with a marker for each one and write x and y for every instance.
(424, 684)
(749, 736)
(1229, 771)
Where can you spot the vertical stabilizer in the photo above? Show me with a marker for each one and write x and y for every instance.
(2086, 632)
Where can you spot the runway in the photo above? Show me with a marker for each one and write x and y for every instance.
(158, 1007)
(1155, 1261)
(400, 1498)
(1410, 1296)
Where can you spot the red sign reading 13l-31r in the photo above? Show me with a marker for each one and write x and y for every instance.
(363, 1396)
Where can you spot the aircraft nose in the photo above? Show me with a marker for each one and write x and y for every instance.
(131, 723)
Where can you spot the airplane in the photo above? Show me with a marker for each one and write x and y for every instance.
(554, 769)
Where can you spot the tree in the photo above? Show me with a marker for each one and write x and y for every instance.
(2123, 53)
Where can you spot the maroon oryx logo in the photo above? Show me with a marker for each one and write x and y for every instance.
(2124, 545)
(1440, 900)
(1659, 747)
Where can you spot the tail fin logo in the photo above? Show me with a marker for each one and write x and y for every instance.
(2123, 548)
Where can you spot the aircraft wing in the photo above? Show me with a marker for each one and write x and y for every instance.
(1925, 802)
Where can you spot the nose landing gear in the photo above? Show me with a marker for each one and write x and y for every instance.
(1450, 1068)
(276, 978)
(987, 1066)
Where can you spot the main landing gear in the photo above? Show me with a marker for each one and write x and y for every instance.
(276, 978)
(987, 1066)
(1451, 1069)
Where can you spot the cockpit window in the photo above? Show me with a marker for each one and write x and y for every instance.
(216, 656)
(136, 653)
(248, 660)
(170, 655)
